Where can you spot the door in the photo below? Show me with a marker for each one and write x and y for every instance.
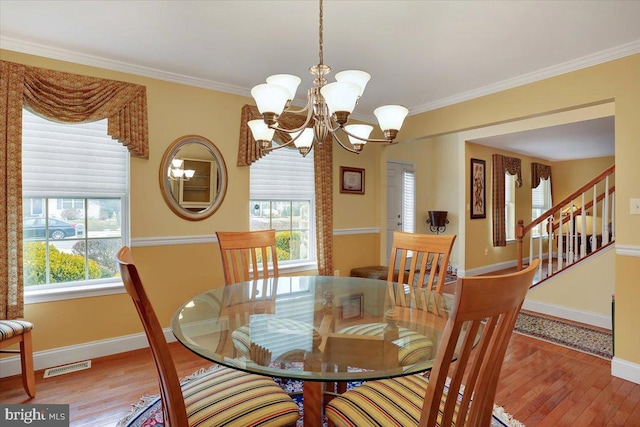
(400, 200)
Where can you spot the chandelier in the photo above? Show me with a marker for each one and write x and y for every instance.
(328, 108)
(177, 172)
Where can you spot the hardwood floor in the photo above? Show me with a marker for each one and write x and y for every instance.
(542, 384)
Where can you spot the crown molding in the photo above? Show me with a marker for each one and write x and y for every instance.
(545, 73)
(109, 64)
(617, 52)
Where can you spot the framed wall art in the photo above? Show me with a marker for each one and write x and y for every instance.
(351, 180)
(478, 189)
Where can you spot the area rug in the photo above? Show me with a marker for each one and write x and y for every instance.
(148, 411)
(576, 337)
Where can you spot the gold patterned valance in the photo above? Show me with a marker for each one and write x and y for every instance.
(538, 172)
(513, 166)
(72, 98)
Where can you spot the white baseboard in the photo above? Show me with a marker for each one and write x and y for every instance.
(485, 269)
(626, 370)
(586, 317)
(10, 366)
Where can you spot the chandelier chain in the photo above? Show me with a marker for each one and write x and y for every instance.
(321, 28)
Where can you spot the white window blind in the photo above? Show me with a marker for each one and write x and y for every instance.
(77, 160)
(540, 203)
(408, 201)
(541, 196)
(283, 174)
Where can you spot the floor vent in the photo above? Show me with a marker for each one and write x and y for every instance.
(65, 369)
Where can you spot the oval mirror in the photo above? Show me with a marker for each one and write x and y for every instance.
(193, 177)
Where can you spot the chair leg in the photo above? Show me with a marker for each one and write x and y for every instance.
(26, 359)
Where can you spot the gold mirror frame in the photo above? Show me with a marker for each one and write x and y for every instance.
(172, 188)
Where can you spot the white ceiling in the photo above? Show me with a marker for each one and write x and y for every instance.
(421, 54)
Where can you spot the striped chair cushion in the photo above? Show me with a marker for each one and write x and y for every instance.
(241, 336)
(227, 397)
(413, 347)
(11, 328)
(392, 402)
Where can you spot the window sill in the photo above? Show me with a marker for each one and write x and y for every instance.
(297, 267)
(73, 292)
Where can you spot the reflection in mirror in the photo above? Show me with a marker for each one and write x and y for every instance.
(193, 177)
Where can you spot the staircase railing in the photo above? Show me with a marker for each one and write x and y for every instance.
(573, 224)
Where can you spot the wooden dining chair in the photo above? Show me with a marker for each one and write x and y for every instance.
(420, 259)
(248, 255)
(19, 332)
(460, 393)
(221, 397)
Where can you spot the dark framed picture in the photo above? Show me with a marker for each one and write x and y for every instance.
(351, 180)
(351, 307)
(478, 189)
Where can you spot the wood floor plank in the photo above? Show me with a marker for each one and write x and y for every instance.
(541, 384)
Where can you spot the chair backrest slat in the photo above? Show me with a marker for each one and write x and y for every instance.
(430, 252)
(244, 251)
(175, 413)
(488, 305)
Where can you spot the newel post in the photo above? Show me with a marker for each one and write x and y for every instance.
(519, 236)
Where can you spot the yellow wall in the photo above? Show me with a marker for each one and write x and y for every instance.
(435, 184)
(617, 81)
(587, 287)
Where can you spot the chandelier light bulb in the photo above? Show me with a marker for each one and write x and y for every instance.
(360, 78)
(361, 131)
(176, 163)
(287, 81)
(340, 96)
(188, 173)
(270, 98)
(305, 140)
(260, 130)
(391, 117)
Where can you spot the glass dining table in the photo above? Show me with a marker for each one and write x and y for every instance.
(325, 331)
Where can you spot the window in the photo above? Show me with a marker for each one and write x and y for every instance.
(75, 203)
(510, 205)
(408, 200)
(282, 197)
(540, 203)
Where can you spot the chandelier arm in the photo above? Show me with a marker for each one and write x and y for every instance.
(364, 139)
(298, 129)
(307, 107)
(276, 147)
(336, 139)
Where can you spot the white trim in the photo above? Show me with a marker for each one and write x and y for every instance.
(70, 292)
(627, 250)
(173, 240)
(485, 269)
(587, 61)
(586, 317)
(350, 231)
(626, 370)
(211, 238)
(109, 64)
(10, 366)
